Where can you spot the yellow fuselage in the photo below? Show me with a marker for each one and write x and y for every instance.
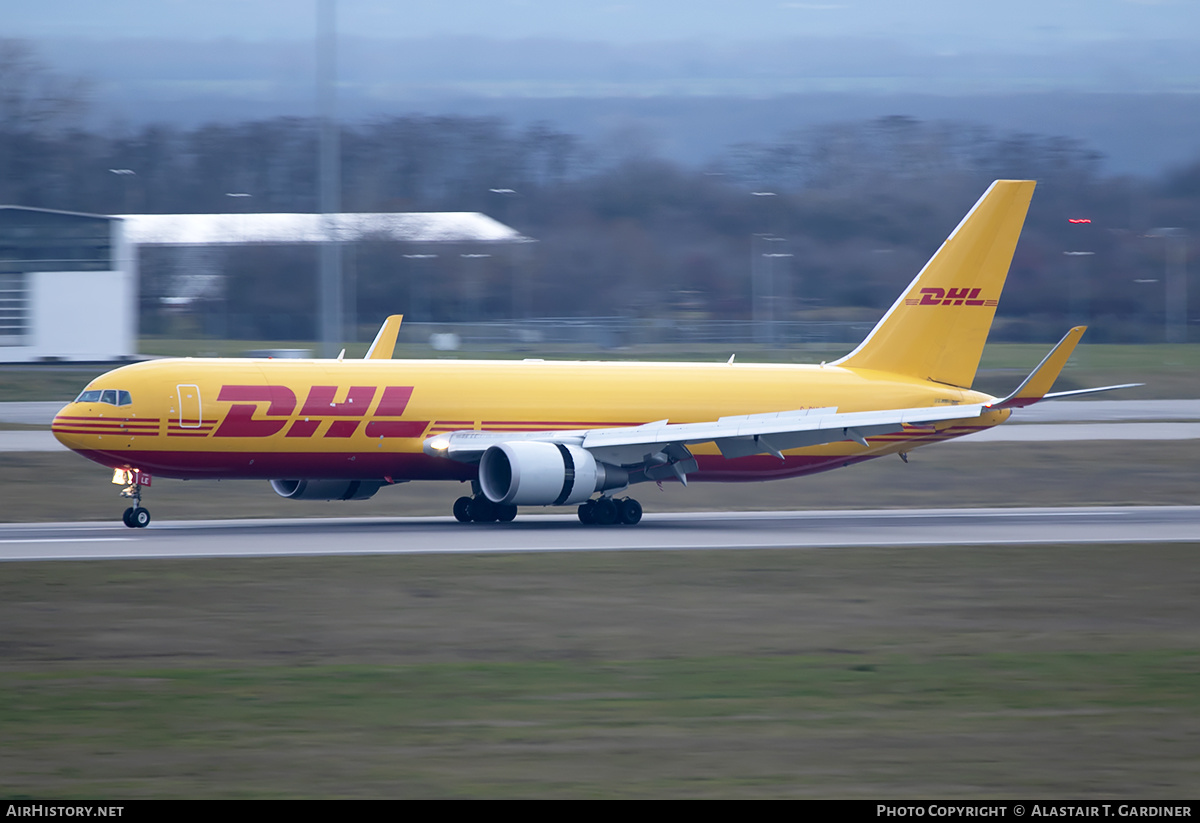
(366, 419)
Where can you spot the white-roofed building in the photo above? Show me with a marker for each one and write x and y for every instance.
(239, 229)
(69, 282)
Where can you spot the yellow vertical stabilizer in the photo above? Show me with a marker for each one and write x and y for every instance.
(937, 328)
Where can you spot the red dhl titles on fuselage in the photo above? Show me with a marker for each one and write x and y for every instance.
(320, 405)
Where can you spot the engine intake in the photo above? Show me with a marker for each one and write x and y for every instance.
(529, 473)
(326, 489)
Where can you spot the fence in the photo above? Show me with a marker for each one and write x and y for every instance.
(613, 333)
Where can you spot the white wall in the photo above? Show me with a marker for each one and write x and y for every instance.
(80, 315)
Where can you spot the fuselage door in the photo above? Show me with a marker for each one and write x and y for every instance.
(189, 405)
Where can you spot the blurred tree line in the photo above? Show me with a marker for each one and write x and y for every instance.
(853, 210)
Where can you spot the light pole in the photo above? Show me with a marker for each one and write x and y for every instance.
(125, 174)
(1175, 275)
(772, 291)
(1080, 299)
(1080, 296)
(419, 307)
(759, 270)
(518, 287)
(329, 174)
(762, 286)
(241, 197)
(474, 287)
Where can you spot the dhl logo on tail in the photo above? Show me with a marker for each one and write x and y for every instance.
(949, 297)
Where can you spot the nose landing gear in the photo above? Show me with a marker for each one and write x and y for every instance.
(135, 517)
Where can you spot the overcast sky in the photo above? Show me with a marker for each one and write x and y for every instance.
(938, 25)
(188, 62)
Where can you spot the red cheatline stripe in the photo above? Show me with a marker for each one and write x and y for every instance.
(107, 419)
(103, 434)
(131, 423)
(103, 430)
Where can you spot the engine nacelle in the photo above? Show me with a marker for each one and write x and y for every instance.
(326, 489)
(528, 473)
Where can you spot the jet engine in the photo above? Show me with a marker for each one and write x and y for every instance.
(326, 489)
(530, 473)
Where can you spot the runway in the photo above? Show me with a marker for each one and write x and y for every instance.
(564, 533)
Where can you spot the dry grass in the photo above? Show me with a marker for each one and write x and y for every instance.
(943, 672)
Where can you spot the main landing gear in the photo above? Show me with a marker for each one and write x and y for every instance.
(479, 509)
(605, 511)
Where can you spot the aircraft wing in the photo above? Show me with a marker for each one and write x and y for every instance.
(664, 444)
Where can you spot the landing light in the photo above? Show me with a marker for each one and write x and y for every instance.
(439, 444)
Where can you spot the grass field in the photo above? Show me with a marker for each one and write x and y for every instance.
(1033, 671)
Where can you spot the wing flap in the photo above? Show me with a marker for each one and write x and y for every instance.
(737, 436)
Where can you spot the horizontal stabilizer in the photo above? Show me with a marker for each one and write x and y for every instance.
(1061, 394)
(1036, 387)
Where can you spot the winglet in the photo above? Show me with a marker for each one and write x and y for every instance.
(385, 342)
(1039, 381)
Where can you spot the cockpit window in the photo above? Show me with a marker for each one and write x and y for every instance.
(113, 397)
